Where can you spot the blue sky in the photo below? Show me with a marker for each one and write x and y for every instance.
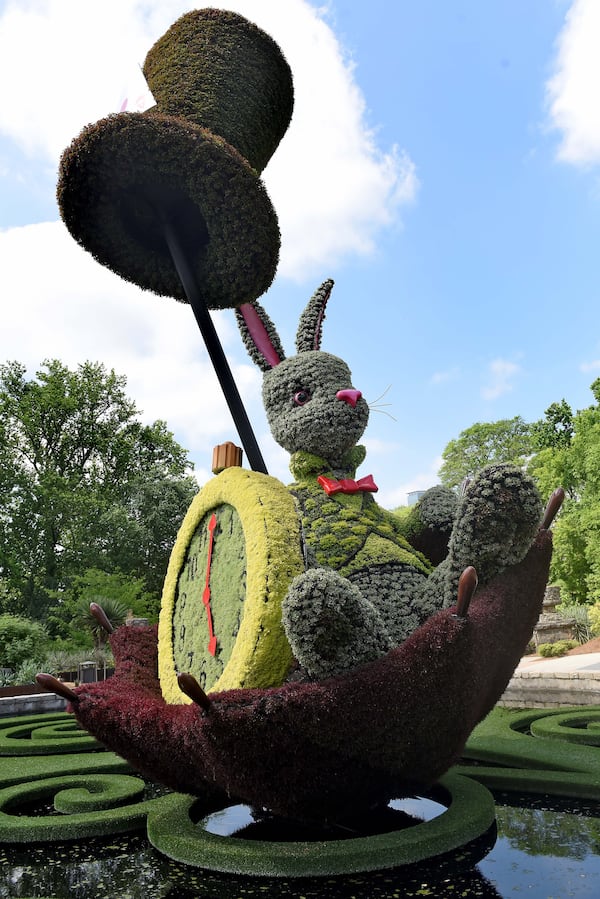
(441, 166)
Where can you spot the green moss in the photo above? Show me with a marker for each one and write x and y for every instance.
(224, 97)
(43, 735)
(227, 580)
(338, 529)
(99, 795)
(469, 813)
(119, 174)
(219, 71)
(538, 751)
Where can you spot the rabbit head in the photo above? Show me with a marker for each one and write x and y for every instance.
(309, 399)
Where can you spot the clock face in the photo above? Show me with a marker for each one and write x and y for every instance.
(237, 551)
(210, 596)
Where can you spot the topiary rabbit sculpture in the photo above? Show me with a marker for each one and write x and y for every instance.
(369, 580)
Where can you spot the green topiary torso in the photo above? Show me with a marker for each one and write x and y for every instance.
(347, 532)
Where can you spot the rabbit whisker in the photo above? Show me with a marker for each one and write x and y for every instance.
(383, 412)
(377, 406)
(381, 396)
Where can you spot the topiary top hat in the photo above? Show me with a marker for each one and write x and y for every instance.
(224, 101)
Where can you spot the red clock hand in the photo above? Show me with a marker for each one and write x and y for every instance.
(212, 640)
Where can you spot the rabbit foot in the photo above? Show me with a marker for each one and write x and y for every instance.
(497, 521)
(395, 591)
(331, 627)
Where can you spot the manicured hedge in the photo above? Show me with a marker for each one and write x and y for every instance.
(469, 814)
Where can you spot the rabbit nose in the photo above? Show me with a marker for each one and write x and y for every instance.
(349, 396)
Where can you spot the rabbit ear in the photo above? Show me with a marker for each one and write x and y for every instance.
(259, 335)
(310, 327)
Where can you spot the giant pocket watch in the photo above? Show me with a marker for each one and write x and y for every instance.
(237, 550)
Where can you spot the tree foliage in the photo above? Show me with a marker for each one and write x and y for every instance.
(556, 429)
(116, 592)
(507, 440)
(20, 640)
(562, 449)
(571, 458)
(83, 484)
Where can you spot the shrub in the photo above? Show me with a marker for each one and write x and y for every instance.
(594, 618)
(26, 672)
(21, 639)
(552, 650)
(60, 661)
(582, 627)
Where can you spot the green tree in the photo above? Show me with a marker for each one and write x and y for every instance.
(570, 458)
(507, 440)
(84, 484)
(114, 610)
(20, 640)
(116, 592)
(556, 429)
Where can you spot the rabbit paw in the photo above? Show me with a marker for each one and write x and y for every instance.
(497, 521)
(429, 523)
(331, 627)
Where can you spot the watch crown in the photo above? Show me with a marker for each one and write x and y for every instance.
(226, 455)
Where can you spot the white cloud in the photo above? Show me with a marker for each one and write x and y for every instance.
(333, 187)
(573, 89)
(443, 377)
(423, 480)
(59, 303)
(501, 374)
(63, 63)
(590, 366)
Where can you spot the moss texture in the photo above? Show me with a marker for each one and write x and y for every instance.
(323, 750)
(261, 655)
(219, 71)
(216, 78)
(315, 413)
(303, 412)
(428, 524)
(361, 598)
(118, 175)
(469, 813)
(337, 528)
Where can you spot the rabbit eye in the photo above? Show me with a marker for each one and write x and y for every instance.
(301, 397)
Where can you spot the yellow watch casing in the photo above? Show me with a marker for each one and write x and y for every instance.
(238, 549)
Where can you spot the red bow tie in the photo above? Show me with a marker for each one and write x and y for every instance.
(347, 485)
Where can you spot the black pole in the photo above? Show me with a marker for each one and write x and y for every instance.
(215, 350)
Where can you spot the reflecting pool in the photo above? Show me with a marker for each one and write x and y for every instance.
(542, 845)
(541, 849)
